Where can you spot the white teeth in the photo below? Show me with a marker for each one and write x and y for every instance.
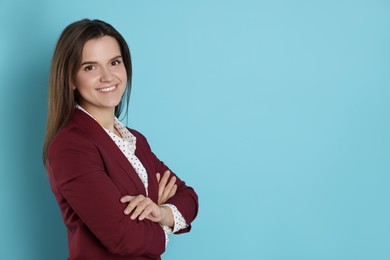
(107, 89)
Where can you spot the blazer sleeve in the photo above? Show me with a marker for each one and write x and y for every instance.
(78, 172)
(185, 199)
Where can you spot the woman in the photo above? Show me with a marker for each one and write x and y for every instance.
(118, 200)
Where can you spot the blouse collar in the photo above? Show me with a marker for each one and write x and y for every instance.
(122, 129)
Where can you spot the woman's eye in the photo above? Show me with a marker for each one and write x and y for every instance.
(115, 63)
(88, 68)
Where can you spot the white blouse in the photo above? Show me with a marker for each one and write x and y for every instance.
(127, 144)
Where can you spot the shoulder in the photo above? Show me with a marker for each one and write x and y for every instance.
(71, 137)
(71, 132)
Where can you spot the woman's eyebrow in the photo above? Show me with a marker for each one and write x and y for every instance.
(94, 62)
(88, 62)
(117, 57)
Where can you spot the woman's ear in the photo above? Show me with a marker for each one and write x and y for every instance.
(73, 86)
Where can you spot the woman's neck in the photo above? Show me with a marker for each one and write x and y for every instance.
(106, 121)
(104, 117)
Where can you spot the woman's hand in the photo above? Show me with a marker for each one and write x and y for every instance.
(142, 207)
(166, 190)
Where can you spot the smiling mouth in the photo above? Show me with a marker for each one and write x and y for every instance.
(108, 89)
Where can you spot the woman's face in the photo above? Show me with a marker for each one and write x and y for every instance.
(101, 79)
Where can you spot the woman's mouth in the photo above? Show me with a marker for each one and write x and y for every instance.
(107, 89)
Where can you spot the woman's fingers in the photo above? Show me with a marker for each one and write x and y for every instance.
(167, 187)
(163, 182)
(133, 202)
(126, 198)
(168, 190)
(173, 191)
(145, 212)
(152, 212)
(141, 207)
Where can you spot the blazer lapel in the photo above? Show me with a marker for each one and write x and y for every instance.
(104, 141)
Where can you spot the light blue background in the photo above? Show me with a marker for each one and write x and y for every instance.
(277, 112)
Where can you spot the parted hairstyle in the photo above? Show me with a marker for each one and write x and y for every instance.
(66, 61)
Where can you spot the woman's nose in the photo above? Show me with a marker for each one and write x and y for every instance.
(106, 75)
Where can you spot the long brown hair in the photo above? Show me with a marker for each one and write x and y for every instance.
(65, 63)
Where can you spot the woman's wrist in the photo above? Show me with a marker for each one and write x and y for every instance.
(166, 216)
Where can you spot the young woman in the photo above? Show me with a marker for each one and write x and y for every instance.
(118, 200)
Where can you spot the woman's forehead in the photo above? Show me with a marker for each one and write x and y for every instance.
(101, 49)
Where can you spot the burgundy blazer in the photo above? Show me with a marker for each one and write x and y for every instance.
(89, 174)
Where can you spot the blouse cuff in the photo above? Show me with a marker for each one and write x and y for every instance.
(179, 222)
